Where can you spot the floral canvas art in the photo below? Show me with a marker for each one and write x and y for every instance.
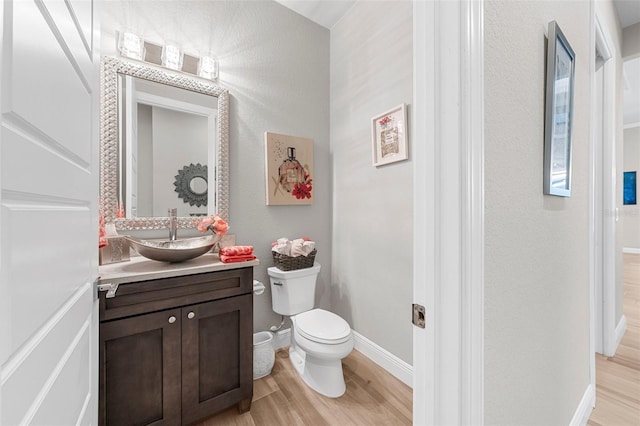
(289, 170)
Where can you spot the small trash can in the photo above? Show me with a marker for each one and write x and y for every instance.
(263, 354)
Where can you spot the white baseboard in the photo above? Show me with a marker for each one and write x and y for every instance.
(631, 250)
(385, 359)
(620, 329)
(282, 339)
(588, 401)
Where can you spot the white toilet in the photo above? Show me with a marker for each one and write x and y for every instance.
(319, 339)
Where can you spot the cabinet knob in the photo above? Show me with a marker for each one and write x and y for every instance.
(191, 315)
(172, 319)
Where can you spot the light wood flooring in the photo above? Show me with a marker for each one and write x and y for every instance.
(373, 397)
(618, 377)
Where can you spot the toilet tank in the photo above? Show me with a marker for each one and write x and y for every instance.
(293, 292)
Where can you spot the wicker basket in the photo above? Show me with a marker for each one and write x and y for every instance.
(288, 263)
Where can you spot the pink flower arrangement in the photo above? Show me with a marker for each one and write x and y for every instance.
(215, 224)
(302, 190)
(386, 120)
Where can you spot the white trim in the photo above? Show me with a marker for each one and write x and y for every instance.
(631, 125)
(425, 388)
(595, 224)
(151, 99)
(609, 191)
(585, 407)
(472, 147)
(385, 359)
(631, 250)
(448, 211)
(282, 339)
(620, 330)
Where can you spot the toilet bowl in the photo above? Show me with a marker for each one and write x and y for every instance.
(319, 338)
(316, 353)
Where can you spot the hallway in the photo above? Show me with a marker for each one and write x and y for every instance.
(618, 378)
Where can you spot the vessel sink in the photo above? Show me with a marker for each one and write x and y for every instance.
(173, 251)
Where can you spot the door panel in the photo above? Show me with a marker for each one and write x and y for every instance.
(54, 284)
(70, 384)
(48, 88)
(216, 376)
(48, 213)
(42, 171)
(38, 364)
(140, 377)
(82, 12)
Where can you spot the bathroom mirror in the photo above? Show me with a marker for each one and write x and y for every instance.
(155, 124)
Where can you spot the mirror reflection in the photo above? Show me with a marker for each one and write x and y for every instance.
(164, 143)
(167, 131)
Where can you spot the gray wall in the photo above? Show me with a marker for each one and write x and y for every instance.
(276, 66)
(631, 213)
(371, 72)
(179, 139)
(631, 41)
(536, 246)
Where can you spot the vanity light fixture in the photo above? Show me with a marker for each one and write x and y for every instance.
(171, 57)
(208, 67)
(131, 45)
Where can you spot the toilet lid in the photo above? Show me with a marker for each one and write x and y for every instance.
(322, 326)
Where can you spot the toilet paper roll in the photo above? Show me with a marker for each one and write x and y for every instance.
(258, 288)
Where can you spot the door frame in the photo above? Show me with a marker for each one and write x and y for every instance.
(602, 200)
(448, 211)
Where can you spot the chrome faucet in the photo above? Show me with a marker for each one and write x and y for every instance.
(173, 224)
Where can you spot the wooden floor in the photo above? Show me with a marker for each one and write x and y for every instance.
(618, 377)
(373, 397)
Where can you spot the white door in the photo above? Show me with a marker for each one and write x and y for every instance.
(48, 216)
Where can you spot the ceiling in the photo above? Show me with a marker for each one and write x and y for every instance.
(323, 12)
(628, 12)
(328, 12)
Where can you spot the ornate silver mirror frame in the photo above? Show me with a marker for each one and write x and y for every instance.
(109, 152)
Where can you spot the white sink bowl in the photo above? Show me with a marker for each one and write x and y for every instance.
(173, 251)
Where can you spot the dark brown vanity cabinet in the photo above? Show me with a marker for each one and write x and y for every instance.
(176, 350)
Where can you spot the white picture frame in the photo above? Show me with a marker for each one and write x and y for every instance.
(389, 136)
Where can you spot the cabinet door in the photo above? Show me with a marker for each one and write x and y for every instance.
(217, 356)
(140, 370)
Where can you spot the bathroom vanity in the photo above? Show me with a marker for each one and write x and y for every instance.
(175, 340)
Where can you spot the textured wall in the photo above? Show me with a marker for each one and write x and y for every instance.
(371, 72)
(276, 66)
(536, 246)
(631, 213)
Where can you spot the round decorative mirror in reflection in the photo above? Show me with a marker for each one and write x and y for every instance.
(198, 185)
(191, 184)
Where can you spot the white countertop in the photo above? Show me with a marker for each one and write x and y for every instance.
(142, 269)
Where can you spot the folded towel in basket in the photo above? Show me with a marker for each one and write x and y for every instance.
(236, 251)
(232, 259)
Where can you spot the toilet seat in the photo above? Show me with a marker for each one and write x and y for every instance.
(322, 326)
